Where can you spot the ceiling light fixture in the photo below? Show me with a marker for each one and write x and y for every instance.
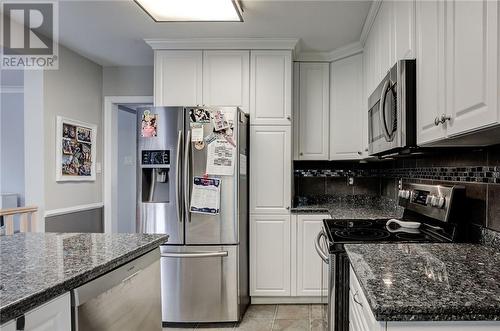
(192, 10)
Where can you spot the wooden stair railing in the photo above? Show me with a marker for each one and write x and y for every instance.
(27, 219)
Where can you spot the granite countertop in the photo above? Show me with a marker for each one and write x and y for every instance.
(349, 207)
(429, 282)
(36, 267)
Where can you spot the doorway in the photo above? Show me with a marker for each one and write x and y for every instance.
(120, 162)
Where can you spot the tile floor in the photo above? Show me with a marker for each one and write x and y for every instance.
(271, 317)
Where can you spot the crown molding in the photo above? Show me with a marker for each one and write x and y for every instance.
(336, 54)
(223, 43)
(370, 18)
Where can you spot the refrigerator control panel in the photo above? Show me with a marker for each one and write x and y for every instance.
(155, 159)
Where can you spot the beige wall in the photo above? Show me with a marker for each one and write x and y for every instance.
(73, 91)
(128, 81)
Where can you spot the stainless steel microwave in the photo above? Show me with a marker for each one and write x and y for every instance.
(392, 111)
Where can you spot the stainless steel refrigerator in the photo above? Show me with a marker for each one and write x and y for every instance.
(204, 264)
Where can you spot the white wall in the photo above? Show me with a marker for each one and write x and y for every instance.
(73, 91)
(126, 169)
(128, 81)
(12, 134)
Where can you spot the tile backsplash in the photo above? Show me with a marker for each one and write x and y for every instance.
(476, 169)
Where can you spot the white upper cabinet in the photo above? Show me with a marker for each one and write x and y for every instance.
(313, 111)
(472, 65)
(403, 13)
(347, 109)
(457, 71)
(270, 169)
(430, 69)
(270, 87)
(226, 78)
(178, 78)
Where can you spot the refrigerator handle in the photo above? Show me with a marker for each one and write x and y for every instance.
(178, 196)
(187, 169)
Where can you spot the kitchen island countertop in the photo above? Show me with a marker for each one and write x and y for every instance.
(36, 267)
(429, 282)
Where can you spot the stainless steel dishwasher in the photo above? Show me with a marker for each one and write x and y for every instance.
(127, 298)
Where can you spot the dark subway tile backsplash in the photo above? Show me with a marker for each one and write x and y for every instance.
(476, 169)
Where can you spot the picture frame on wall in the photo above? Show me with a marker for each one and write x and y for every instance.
(75, 150)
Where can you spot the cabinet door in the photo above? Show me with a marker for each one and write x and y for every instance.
(430, 69)
(9, 326)
(270, 255)
(385, 18)
(270, 169)
(54, 315)
(226, 78)
(404, 30)
(270, 87)
(312, 272)
(472, 55)
(313, 111)
(178, 78)
(346, 114)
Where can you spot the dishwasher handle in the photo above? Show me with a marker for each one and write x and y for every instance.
(196, 254)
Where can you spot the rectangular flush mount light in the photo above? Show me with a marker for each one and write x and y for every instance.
(192, 10)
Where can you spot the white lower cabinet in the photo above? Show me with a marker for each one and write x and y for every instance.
(283, 260)
(270, 255)
(54, 315)
(311, 272)
(361, 317)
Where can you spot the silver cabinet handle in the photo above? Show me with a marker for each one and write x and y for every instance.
(355, 295)
(360, 153)
(289, 117)
(178, 196)
(445, 118)
(186, 175)
(195, 254)
(437, 121)
(317, 246)
(301, 153)
(441, 119)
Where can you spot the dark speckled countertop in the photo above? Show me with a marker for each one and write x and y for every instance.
(421, 282)
(36, 267)
(349, 207)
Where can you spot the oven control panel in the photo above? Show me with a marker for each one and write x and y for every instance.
(431, 200)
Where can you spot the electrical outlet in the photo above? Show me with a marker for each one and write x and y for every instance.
(400, 184)
(350, 182)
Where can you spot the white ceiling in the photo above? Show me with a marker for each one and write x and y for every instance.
(112, 32)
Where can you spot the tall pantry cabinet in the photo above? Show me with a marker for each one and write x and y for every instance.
(270, 172)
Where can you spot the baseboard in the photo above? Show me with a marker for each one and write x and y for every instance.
(287, 300)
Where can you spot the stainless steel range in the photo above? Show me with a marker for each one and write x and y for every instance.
(433, 214)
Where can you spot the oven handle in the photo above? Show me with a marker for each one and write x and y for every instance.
(317, 245)
(381, 110)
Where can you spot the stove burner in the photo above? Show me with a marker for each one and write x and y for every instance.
(362, 234)
(353, 223)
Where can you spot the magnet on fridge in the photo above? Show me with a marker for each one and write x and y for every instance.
(199, 145)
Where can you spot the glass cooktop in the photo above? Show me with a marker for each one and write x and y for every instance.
(363, 231)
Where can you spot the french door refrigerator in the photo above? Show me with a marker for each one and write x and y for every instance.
(204, 264)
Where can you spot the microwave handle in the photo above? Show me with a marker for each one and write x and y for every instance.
(381, 111)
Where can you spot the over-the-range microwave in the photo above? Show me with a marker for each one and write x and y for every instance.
(392, 111)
